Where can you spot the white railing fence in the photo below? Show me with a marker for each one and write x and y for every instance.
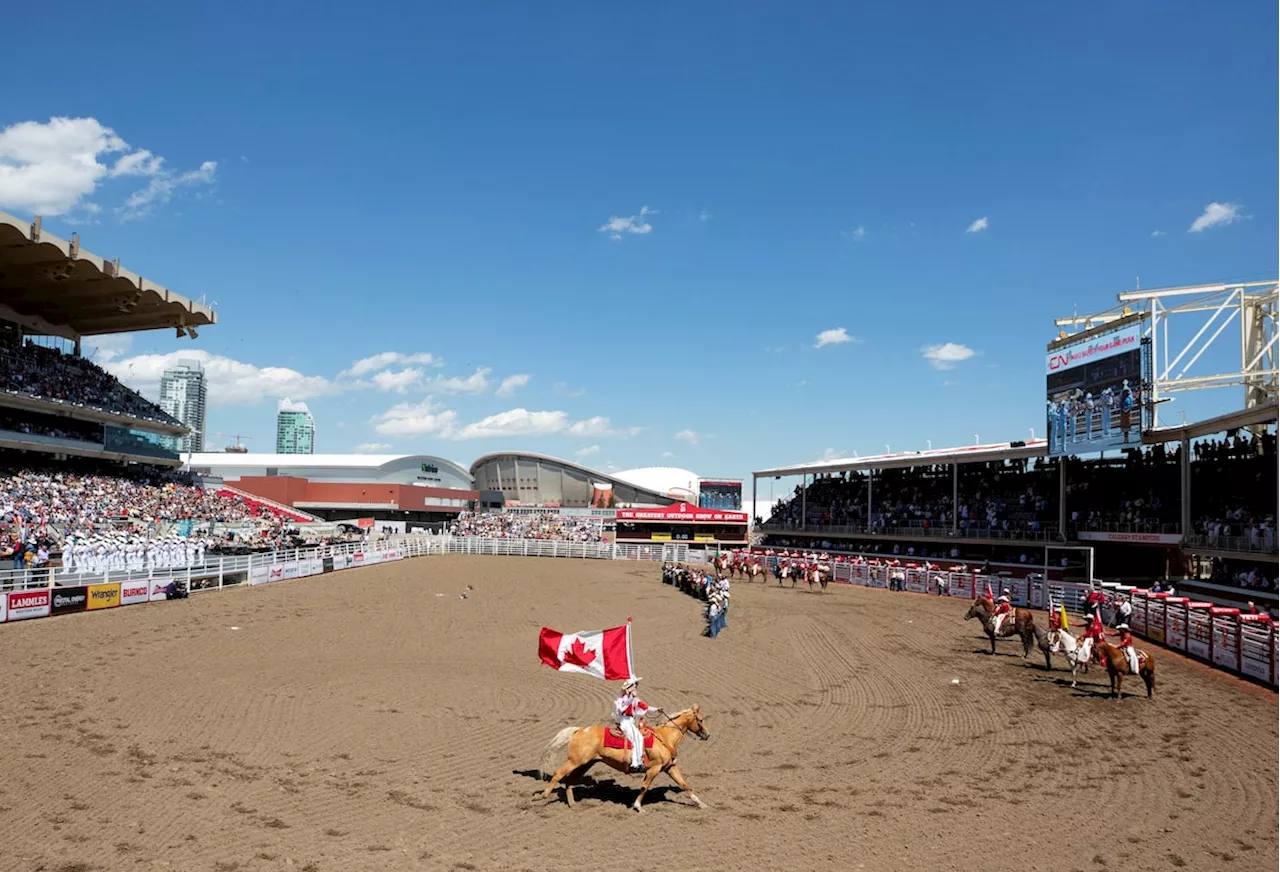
(217, 571)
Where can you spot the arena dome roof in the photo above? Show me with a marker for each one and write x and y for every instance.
(661, 479)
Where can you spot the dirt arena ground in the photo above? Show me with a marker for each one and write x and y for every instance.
(372, 720)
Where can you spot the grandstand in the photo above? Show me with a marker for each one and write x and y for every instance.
(79, 451)
(1193, 503)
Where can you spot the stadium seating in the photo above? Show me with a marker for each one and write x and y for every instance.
(46, 373)
(64, 496)
(540, 525)
(1233, 483)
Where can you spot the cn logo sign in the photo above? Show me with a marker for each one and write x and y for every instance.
(1058, 361)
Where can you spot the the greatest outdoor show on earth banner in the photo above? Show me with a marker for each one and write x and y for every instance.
(1095, 389)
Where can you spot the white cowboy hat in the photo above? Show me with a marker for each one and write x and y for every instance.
(631, 682)
(1122, 626)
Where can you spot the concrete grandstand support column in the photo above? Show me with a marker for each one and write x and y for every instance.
(1184, 474)
(804, 493)
(955, 496)
(870, 473)
(1062, 497)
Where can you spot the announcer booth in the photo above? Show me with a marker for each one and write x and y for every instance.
(682, 522)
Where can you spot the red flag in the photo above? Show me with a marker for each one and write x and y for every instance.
(990, 594)
(603, 653)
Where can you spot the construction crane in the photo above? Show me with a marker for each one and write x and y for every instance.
(237, 447)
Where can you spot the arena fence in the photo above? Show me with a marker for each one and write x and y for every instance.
(229, 571)
(1244, 644)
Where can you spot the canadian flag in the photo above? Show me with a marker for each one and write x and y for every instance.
(603, 653)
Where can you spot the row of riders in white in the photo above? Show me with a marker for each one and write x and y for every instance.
(115, 552)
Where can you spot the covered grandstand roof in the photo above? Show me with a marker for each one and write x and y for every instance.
(967, 454)
(52, 286)
(235, 460)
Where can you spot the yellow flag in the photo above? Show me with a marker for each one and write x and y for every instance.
(1063, 624)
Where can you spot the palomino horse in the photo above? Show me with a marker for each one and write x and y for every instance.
(1078, 653)
(587, 747)
(1118, 667)
(1020, 623)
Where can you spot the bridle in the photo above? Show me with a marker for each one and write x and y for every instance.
(701, 733)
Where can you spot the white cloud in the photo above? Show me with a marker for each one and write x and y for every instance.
(515, 422)
(161, 187)
(372, 447)
(832, 454)
(230, 382)
(857, 234)
(49, 169)
(947, 354)
(689, 436)
(599, 426)
(476, 383)
(563, 388)
(704, 215)
(668, 454)
(1216, 215)
(427, 418)
(511, 384)
(834, 336)
(107, 347)
(384, 359)
(978, 226)
(398, 381)
(587, 451)
(288, 405)
(616, 226)
(1155, 233)
(416, 419)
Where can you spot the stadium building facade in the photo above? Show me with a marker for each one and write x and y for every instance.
(415, 489)
(522, 478)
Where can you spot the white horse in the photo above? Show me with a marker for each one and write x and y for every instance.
(1078, 654)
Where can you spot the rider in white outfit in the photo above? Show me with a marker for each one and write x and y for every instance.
(628, 707)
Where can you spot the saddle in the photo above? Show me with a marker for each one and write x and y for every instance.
(613, 738)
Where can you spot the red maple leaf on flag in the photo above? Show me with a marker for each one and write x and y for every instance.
(579, 654)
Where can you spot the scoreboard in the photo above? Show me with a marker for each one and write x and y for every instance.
(720, 494)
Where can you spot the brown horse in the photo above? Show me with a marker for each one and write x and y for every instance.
(1020, 623)
(753, 571)
(1118, 667)
(721, 562)
(586, 748)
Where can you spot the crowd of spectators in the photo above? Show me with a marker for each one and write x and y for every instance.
(528, 525)
(47, 373)
(1248, 575)
(70, 495)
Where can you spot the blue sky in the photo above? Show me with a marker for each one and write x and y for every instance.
(647, 216)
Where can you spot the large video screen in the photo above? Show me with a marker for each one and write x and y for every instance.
(720, 495)
(1094, 396)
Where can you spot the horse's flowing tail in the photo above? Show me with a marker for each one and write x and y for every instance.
(559, 743)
